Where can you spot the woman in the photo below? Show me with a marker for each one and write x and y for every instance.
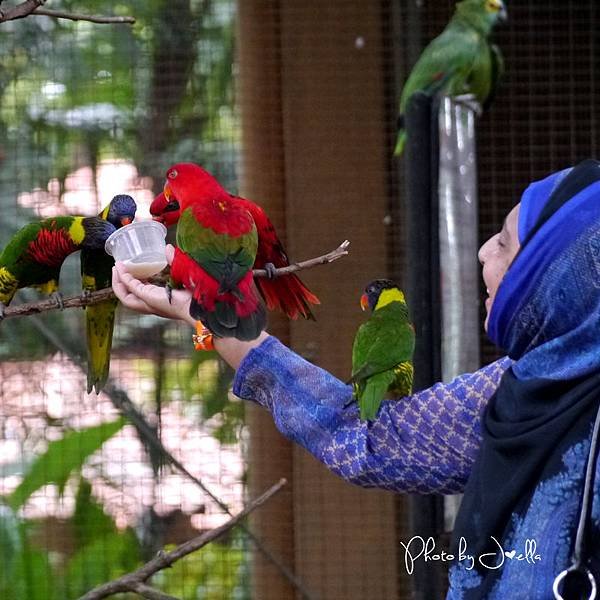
(521, 462)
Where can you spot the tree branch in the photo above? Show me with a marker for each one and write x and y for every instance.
(82, 300)
(57, 14)
(134, 582)
(32, 8)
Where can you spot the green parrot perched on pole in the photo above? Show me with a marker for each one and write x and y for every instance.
(461, 61)
(96, 270)
(35, 254)
(383, 348)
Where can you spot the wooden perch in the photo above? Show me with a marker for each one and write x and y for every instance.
(33, 8)
(135, 581)
(82, 300)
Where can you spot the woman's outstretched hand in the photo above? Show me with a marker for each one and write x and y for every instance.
(153, 300)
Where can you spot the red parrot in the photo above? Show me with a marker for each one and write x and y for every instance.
(217, 243)
(285, 292)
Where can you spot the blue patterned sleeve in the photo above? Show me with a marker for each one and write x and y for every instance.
(424, 443)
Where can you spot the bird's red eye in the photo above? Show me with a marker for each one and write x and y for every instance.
(172, 174)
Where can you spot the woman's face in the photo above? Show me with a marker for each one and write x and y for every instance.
(496, 255)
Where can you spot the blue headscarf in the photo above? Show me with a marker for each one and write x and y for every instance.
(546, 313)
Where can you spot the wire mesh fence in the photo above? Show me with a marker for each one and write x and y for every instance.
(295, 105)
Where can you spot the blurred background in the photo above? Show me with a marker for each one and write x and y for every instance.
(294, 105)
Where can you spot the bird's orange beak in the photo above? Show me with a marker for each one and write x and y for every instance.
(167, 192)
(125, 221)
(364, 302)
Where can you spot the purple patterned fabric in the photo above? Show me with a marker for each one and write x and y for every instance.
(425, 443)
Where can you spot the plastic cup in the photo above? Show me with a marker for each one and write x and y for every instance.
(140, 246)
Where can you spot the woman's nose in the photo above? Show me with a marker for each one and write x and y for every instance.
(481, 255)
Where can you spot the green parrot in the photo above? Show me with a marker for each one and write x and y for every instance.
(96, 271)
(35, 254)
(460, 61)
(383, 348)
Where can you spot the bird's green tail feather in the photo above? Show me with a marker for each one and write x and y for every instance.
(373, 393)
(100, 320)
(400, 143)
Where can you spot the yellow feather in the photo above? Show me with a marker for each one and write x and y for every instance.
(388, 296)
(76, 231)
(88, 282)
(8, 285)
(48, 288)
(100, 320)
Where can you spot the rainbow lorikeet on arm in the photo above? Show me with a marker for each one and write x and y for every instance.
(35, 254)
(284, 292)
(383, 348)
(217, 243)
(460, 61)
(96, 270)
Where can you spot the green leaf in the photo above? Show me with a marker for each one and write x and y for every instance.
(32, 577)
(90, 522)
(62, 458)
(106, 558)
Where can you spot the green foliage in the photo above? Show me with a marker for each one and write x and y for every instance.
(214, 572)
(61, 459)
(26, 573)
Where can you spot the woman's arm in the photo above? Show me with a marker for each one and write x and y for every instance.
(423, 443)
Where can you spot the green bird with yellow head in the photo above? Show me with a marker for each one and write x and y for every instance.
(383, 348)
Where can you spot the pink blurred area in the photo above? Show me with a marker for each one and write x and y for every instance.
(40, 400)
(84, 196)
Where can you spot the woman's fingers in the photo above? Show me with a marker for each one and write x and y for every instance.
(148, 298)
(170, 252)
(127, 289)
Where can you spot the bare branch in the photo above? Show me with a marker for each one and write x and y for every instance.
(80, 17)
(95, 297)
(341, 250)
(33, 8)
(134, 582)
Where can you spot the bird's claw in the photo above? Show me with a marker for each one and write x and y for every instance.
(59, 299)
(271, 270)
(2, 311)
(203, 338)
(169, 290)
(86, 295)
(469, 101)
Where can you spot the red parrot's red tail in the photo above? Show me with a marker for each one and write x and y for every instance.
(237, 313)
(288, 294)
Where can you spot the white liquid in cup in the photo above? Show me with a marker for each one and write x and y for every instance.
(143, 270)
(140, 246)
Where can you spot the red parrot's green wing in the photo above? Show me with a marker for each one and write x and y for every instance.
(225, 253)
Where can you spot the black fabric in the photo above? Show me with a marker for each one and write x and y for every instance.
(527, 426)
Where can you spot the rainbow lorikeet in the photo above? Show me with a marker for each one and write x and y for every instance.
(96, 268)
(217, 244)
(383, 348)
(460, 61)
(284, 292)
(35, 254)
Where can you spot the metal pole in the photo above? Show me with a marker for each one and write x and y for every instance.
(423, 295)
(458, 244)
